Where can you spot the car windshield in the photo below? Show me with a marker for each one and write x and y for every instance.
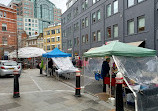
(9, 63)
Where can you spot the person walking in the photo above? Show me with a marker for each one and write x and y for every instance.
(50, 67)
(41, 67)
(105, 72)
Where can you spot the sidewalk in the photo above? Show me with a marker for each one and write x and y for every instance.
(41, 93)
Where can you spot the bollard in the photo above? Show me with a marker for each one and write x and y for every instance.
(16, 93)
(78, 88)
(119, 92)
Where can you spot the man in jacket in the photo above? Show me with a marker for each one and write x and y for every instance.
(105, 71)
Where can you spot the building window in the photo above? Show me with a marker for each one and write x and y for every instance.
(98, 35)
(53, 31)
(48, 32)
(94, 1)
(29, 24)
(4, 27)
(25, 20)
(29, 33)
(53, 39)
(57, 31)
(5, 14)
(32, 20)
(115, 6)
(58, 39)
(58, 46)
(53, 46)
(115, 31)
(109, 32)
(108, 10)
(75, 41)
(140, 1)
(48, 40)
(82, 23)
(93, 18)
(86, 4)
(32, 25)
(30, 29)
(35, 25)
(86, 37)
(131, 27)
(86, 21)
(29, 20)
(1, 14)
(130, 3)
(83, 6)
(78, 41)
(141, 24)
(98, 15)
(94, 36)
(48, 47)
(83, 39)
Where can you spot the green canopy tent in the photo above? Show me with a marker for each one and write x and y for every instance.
(116, 48)
(119, 49)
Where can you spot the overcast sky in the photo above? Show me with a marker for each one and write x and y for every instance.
(58, 3)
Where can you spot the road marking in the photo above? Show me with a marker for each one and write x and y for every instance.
(36, 84)
(43, 91)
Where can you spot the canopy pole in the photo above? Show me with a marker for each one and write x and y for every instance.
(110, 77)
(47, 66)
(134, 93)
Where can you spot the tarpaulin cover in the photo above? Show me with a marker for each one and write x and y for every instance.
(27, 52)
(64, 65)
(56, 53)
(119, 49)
(142, 75)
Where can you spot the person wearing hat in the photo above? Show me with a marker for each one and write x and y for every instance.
(105, 71)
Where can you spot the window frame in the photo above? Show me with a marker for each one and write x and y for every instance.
(138, 23)
(128, 29)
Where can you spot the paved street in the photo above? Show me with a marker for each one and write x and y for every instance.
(41, 93)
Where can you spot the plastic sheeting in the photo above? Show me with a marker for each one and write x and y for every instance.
(64, 65)
(142, 70)
(142, 76)
(27, 52)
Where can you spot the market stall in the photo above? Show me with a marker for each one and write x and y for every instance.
(61, 60)
(139, 67)
(28, 55)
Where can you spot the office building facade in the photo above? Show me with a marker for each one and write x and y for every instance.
(92, 23)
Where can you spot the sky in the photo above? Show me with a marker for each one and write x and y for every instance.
(58, 3)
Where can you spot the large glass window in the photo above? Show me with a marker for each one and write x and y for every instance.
(53, 46)
(141, 24)
(86, 19)
(48, 32)
(86, 4)
(98, 15)
(115, 31)
(131, 26)
(115, 6)
(83, 6)
(130, 3)
(109, 32)
(108, 10)
(94, 36)
(57, 31)
(93, 18)
(98, 35)
(48, 47)
(4, 27)
(58, 39)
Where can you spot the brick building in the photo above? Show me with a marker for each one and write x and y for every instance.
(8, 29)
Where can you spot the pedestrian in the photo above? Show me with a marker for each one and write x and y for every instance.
(74, 61)
(79, 62)
(105, 72)
(50, 67)
(41, 67)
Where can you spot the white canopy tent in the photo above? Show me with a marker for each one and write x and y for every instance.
(27, 52)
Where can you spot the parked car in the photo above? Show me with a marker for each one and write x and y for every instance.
(7, 67)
